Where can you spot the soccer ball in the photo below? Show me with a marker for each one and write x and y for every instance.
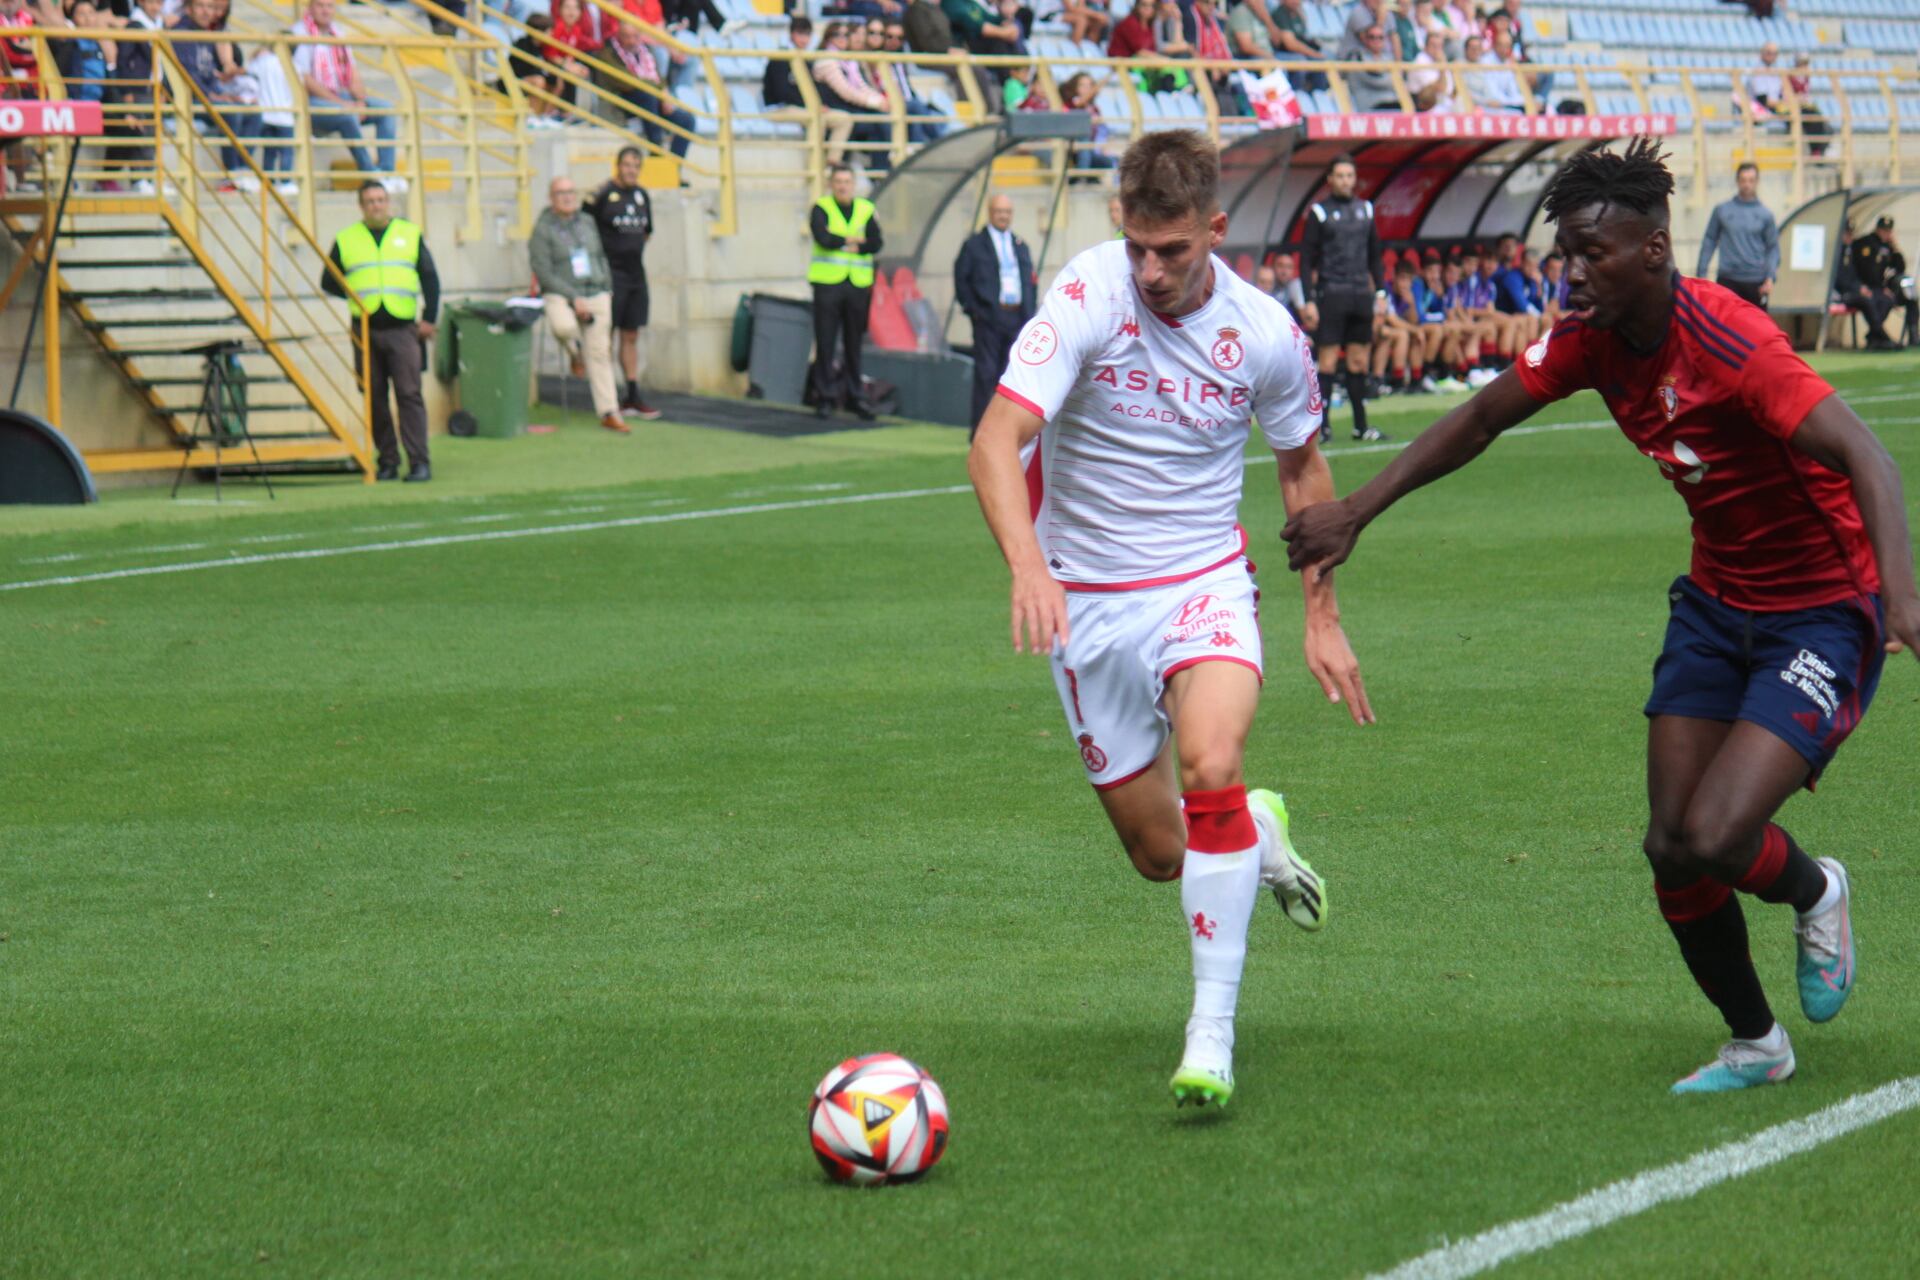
(877, 1119)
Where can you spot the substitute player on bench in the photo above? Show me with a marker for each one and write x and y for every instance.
(1108, 466)
(1776, 636)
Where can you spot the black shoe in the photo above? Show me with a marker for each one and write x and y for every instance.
(822, 411)
(1371, 433)
(418, 473)
(861, 412)
(388, 471)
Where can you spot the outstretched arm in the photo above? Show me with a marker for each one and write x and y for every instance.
(1306, 481)
(1323, 536)
(993, 464)
(1833, 435)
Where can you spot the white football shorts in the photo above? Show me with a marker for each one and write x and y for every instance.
(1126, 644)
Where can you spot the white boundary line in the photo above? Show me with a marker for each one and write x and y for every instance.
(1645, 1191)
(626, 522)
(490, 535)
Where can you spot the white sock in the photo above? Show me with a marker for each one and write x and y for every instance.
(1772, 1042)
(1828, 900)
(1217, 892)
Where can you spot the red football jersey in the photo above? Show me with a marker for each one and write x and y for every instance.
(1714, 404)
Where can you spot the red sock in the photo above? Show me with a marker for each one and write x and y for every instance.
(1694, 902)
(1218, 821)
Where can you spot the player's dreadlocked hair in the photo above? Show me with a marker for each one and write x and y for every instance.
(1636, 178)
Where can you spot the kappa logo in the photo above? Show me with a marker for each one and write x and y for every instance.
(1095, 758)
(1227, 351)
(1537, 354)
(1076, 290)
(1669, 400)
(1039, 344)
(1195, 609)
(1130, 327)
(1684, 456)
(1202, 927)
(1224, 640)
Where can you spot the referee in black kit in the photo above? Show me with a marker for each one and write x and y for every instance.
(1340, 261)
(624, 214)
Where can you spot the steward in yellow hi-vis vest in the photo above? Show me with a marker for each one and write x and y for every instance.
(387, 266)
(846, 239)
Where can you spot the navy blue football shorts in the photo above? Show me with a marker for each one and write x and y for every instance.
(1806, 676)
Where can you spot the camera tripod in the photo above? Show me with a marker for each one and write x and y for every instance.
(222, 418)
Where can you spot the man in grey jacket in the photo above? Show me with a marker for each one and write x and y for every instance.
(1744, 231)
(576, 286)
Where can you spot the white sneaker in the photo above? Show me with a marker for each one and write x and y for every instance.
(287, 188)
(732, 25)
(1206, 1068)
(1477, 378)
(396, 186)
(246, 182)
(143, 187)
(1447, 386)
(1427, 385)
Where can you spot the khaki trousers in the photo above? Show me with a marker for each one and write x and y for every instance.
(594, 342)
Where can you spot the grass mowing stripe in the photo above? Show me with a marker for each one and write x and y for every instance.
(1648, 1190)
(491, 535)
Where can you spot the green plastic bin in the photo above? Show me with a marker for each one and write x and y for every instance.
(486, 348)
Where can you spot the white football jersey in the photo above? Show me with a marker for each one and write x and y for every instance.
(1136, 479)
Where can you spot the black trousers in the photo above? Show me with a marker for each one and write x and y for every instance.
(993, 337)
(839, 319)
(395, 359)
(1748, 289)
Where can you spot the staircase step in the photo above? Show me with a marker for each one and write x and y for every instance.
(254, 378)
(147, 295)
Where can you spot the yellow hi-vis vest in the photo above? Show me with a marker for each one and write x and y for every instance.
(384, 273)
(832, 266)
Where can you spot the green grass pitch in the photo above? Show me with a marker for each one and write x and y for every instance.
(490, 908)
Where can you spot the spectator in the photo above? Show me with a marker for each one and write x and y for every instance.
(1454, 22)
(1082, 94)
(136, 73)
(86, 62)
(574, 29)
(981, 29)
(993, 281)
(1553, 288)
(1404, 38)
(783, 98)
(1854, 295)
(685, 15)
(1133, 34)
(1086, 20)
(1432, 87)
(1251, 36)
(1170, 32)
(1399, 349)
(1280, 280)
(1209, 41)
(392, 279)
(1290, 43)
(1497, 89)
(576, 288)
(1878, 263)
(926, 129)
(1513, 330)
(1360, 18)
(648, 99)
(1813, 121)
(1443, 355)
(1507, 16)
(532, 63)
(843, 87)
(201, 59)
(623, 215)
(336, 97)
(276, 117)
(1748, 238)
(1765, 86)
(1373, 90)
(1471, 301)
(1514, 295)
(846, 238)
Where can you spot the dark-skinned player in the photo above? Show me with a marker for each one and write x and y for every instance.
(1802, 580)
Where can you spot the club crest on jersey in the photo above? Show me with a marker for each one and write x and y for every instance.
(1095, 758)
(1039, 344)
(1227, 351)
(1669, 400)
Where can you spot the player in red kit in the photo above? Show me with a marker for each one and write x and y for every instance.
(1802, 579)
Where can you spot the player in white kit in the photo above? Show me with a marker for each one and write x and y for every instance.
(1109, 469)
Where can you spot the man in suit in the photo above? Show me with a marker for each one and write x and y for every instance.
(994, 283)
